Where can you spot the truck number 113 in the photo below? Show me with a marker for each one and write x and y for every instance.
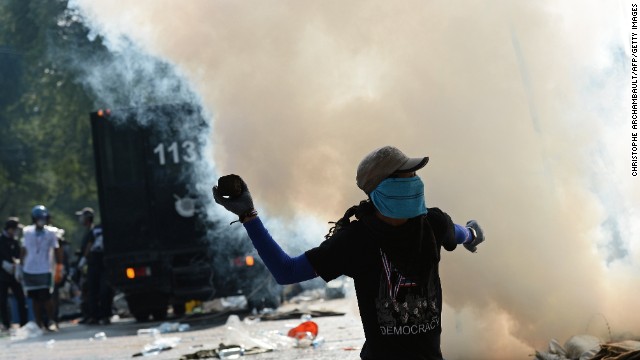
(173, 151)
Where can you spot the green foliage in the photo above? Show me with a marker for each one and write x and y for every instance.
(46, 156)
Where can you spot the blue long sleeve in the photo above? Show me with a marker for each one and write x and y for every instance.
(285, 269)
(462, 234)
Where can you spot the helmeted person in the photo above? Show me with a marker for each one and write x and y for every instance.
(391, 250)
(38, 272)
(10, 259)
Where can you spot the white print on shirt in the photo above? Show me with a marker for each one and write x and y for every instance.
(414, 314)
(410, 329)
(413, 310)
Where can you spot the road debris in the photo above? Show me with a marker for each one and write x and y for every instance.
(158, 346)
(588, 347)
(297, 314)
(99, 336)
(152, 332)
(163, 328)
(28, 331)
(167, 327)
(225, 352)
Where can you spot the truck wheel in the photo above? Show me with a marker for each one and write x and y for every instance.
(159, 307)
(137, 308)
(143, 305)
(141, 316)
(179, 309)
(159, 313)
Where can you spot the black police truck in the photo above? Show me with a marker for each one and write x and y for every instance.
(157, 242)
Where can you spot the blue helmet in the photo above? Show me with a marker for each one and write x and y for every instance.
(39, 212)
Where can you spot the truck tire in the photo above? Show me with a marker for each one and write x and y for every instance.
(179, 309)
(143, 305)
(159, 314)
(141, 316)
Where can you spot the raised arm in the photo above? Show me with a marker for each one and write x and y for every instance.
(284, 268)
(233, 194)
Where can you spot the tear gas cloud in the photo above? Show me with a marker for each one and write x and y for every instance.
(518, 104)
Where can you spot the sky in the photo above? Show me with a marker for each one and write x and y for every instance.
(521, 106)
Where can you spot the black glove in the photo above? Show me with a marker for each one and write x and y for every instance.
(232, 193)
(478, 235)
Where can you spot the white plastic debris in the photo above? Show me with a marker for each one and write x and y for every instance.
(309, 295)
(234, 302)
(578, 347)
(317, 342)
(28, 331)
(100, 336)
(151, 332)
(582, 346)
(556, 348)
(163, 328)
(168, 327)
(237, 333)
(251, 321)
(231, 352)
(161, 344)
(225, 304)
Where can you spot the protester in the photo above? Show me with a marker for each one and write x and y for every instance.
(38, 246)
(391, 250)
(100, 294)
(10, 259)
(65, 248)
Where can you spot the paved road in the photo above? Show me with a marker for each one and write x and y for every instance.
(343, 337)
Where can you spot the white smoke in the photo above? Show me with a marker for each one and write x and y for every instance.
(520, 106)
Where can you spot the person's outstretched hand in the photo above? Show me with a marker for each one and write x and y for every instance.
(478, 236)
(232, 193)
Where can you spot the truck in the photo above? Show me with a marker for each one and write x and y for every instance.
(161, 248)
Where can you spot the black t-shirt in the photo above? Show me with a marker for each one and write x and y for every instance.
(9, 250)
(400, 310)
(88, 237)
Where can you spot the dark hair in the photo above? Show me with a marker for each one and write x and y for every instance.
(345, 220)
(12, 223)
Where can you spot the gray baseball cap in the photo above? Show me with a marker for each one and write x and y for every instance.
(85, 211)
(383, 162)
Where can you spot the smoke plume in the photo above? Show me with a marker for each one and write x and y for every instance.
(518, 104)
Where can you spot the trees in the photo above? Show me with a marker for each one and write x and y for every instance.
(45, 141)
(46, 53)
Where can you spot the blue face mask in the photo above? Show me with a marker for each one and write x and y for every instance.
(400, 198)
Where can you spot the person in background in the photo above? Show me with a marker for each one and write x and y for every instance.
(39, 244)
(65, 248)
(391, 250)
(10, 259)
(85, 218)
(100, 294)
